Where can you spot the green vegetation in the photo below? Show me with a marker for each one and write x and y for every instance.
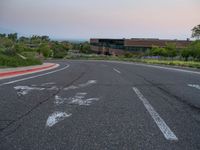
(22, 51)
(15, 61)
(192, 52)
(181, 63)
(196, 32)
(168, 55)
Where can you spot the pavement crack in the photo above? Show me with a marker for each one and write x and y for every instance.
(10, 133)
(40, 103)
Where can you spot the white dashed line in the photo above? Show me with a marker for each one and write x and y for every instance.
(168, 134)
(148, 65)
(73, 87)
(116, 70)
(40, 75)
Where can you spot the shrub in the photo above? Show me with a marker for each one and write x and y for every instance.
(128, 55)
(9, 52)
(15, 61)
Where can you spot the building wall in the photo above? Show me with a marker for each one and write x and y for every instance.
(155, 42)
(116, 51)
(121, 46)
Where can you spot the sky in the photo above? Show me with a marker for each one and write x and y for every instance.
(85, 19)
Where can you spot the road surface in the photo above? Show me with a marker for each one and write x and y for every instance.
(101, 105)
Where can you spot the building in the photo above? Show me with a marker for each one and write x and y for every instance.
(134, 45)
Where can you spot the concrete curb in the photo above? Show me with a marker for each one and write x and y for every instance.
(29, 70)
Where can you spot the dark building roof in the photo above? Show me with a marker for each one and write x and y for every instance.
(141, 42)
(156, 42)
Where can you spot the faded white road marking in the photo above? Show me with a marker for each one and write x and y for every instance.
(116, 70)
(23, 90)
(79, 99)
(59, 100)
(168, 134)
(56, 117)
(40, 75)
(72, 87)
(88, 83)
(49, 83)
(194, 86)
(53, 88)
(81, 93)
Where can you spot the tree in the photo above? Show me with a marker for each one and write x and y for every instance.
(195, 49)
(24, 39)
(35, 39)
(186, 53)
(59, 50)
(196, 32)
(2, 35)
(5, 42)
(85, 48)
(13, 37)
(45, 38)
(45, 50)
(158, 51)
(171, 49)
(19, 47)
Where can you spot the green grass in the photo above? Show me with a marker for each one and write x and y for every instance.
(16, 61)
(191, 64)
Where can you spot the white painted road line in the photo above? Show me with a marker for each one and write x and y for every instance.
(40, 75)
(194, 86)
(148, 65)
(168, 134)
(116, 70)
(160, 67)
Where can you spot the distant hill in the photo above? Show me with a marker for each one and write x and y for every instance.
(71, 40)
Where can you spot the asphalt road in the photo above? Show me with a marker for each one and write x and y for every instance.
(101, 105)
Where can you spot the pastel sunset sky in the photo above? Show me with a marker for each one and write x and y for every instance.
(83, 19)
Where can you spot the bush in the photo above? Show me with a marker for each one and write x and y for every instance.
(186, 54)
(15, 61)
(171, 50)
(9, 52)
(45, 50)
(158, 51)
(59, 50)
(195, 48)
(128, 55)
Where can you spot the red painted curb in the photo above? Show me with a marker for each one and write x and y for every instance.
(12, 73)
